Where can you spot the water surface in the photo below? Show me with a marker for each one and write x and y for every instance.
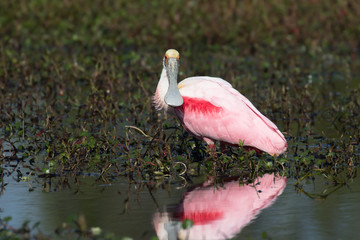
(130, 210)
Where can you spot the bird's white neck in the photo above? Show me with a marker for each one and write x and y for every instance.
(160, 93)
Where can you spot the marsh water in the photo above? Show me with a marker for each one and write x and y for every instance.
(322, 211)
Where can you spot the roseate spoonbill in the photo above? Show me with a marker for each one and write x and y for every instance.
(211, 109)
(218, 213)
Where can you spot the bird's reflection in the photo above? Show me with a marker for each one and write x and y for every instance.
(218, 213)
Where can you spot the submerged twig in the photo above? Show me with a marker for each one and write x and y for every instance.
(185, 168)
(318, 196)
(138, 129)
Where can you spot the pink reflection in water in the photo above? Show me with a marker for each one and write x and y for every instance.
(218, 213)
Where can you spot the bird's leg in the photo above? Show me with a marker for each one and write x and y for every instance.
(211, 146)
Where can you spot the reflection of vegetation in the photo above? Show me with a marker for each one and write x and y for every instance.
(334, 178)
(74, 74)
(74, 228)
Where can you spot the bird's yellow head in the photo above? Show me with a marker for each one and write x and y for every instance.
(172, 53)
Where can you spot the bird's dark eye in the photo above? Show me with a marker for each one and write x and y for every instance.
(165, 60)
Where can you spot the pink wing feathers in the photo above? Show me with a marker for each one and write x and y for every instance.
(214, 110)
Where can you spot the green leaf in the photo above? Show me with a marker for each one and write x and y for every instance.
(187, 223)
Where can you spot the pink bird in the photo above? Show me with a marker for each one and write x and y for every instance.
(211, 109)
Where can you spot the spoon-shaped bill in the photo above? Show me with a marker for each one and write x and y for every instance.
(173, 97)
